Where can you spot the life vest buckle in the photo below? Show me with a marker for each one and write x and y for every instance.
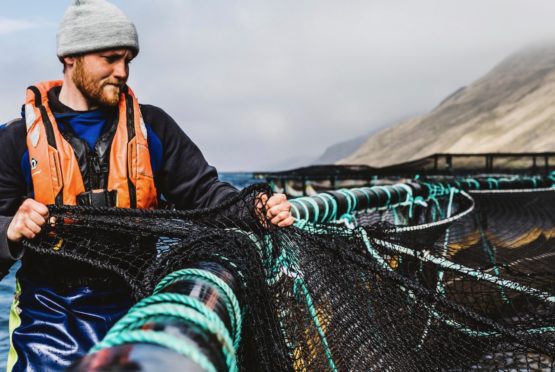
(97, 198)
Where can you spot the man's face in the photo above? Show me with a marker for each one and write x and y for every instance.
(100, 76)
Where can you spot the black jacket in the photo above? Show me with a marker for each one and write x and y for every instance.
(182, 177)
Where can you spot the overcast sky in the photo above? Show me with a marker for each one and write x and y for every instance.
(255, 83)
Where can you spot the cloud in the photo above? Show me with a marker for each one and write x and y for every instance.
(13, 25)
(283, 79)
(8, 26)
(252, 82)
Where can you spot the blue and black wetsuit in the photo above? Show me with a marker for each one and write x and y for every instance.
(61, 309)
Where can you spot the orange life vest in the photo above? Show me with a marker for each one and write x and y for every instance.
(55, 171)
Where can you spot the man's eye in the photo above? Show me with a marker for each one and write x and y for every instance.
(111, 59)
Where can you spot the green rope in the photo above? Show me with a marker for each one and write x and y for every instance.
(387, 193)
(181, 299)
(414, 201)
(326, 207)
(351, 200)
(303, 205)
(314, 207)
(448, 265)
(474, 333)
(493, 183)
(372, 251)
(294, 211)
(230, 301)
(396, 220)
(490, 252)
(300, 283)
(440, 289)
(365, 190)
(330, 201)
(439, 209)
(534, 181)
(447, 321)
(162, 339)
(141, 316)
(349, 220)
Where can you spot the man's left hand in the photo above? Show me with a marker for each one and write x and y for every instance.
(278, 210)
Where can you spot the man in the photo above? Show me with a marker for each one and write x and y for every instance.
(85, 140)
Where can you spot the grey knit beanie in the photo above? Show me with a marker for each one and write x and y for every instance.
(92, 25)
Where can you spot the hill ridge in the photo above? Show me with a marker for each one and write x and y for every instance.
(510, 109)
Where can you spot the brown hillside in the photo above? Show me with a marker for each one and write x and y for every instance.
(510, 109)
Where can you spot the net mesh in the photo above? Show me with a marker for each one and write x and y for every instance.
(455, 282)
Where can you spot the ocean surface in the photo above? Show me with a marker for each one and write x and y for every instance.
(7, 285)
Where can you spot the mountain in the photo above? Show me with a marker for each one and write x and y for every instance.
(510, 109)
(341, 150)
(290, 163)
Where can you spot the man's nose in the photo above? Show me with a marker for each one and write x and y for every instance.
(121, 70)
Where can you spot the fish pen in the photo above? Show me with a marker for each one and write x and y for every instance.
(313, 179)
(449, 273)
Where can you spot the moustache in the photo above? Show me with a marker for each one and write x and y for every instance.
(118, 85)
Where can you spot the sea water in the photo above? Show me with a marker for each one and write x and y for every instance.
(7, 288)
(7, 285)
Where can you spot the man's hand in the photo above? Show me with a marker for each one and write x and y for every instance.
(278, 210)
(28, 221)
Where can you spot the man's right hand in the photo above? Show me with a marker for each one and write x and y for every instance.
(28, 221)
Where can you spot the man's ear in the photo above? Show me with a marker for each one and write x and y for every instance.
(69, 61)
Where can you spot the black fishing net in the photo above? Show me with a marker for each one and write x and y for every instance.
(460, 282)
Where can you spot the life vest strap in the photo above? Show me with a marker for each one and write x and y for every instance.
(98, 198)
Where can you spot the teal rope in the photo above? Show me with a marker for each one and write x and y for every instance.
(397, 190)
(351, 200)
(440, 289)
(438, 208)
(396, 219)
(348, 197)
(265, 248)
(143, 315)
(534, 182)
(383, 264)
(493, 183)
(231, 303)
(364, 190)
(475, 333)
(180, 299)
(161, 339)
(349, 220)
(489, 250)
(387, 193)
(314, 207)
(294, 211)
(330, 202)
(413, 201)
(326, 207)
(333, 215)
(447, 321)
(314, 316)
(449, 265)
(435, 190)
(374, 253)
(304, 207)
